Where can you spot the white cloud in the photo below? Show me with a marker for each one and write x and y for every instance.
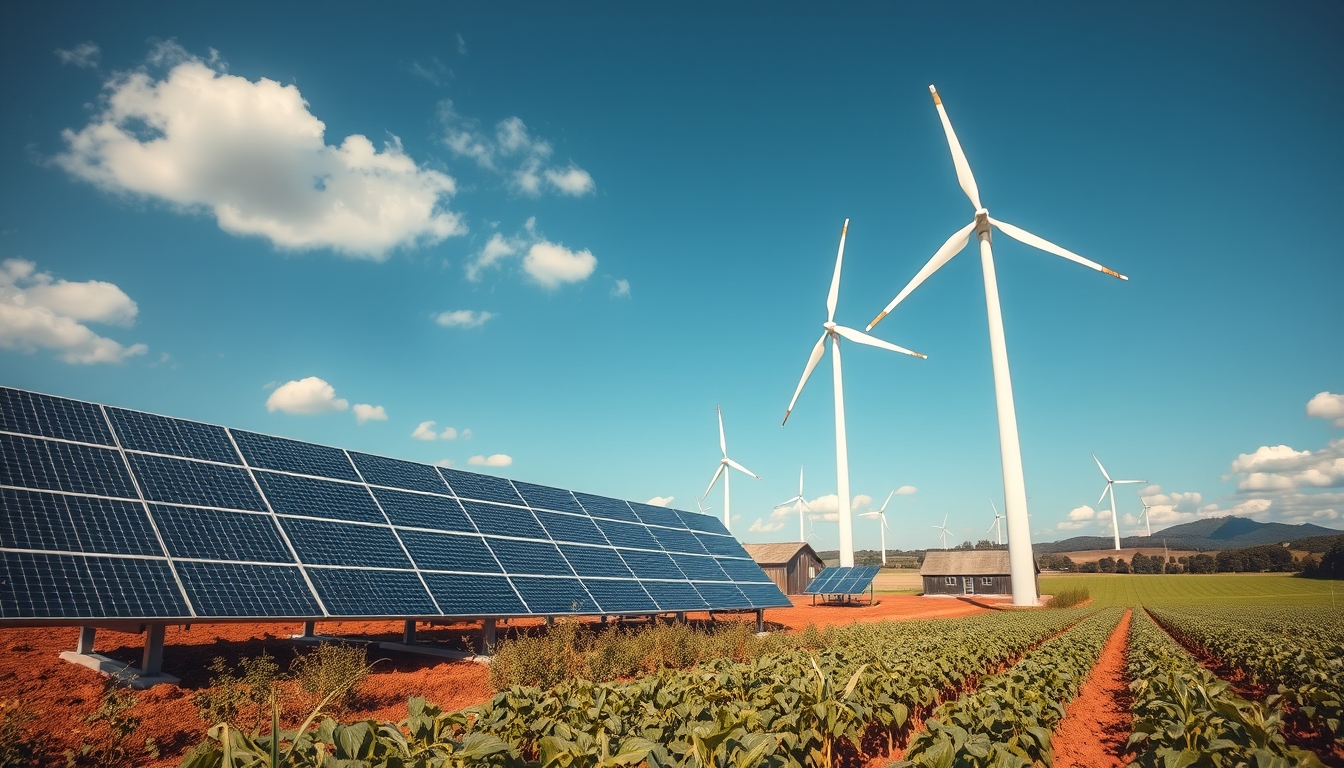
(513, 152)
(493, 460)
(621, 289)
(37, 310)
(760, 526)
(660, 501)
(449, 433)
(1280, 468)
(906, 490)
(84, 55)
(445, 463)
(365, 412)
(830, 504)
(461, 45)
(465, 434)
(1327, 406)
(496, 249)
(251, 154)
(463, 318)
(306, 397)
(425, 431)
(548, 264)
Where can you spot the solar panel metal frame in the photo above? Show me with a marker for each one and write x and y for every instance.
(65, 430)
(838, 580)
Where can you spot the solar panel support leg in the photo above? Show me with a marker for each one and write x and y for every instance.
(550, 621)
(152, 663)
(408, 635)
(488, 635)
(309, 629)
(681, 617)
(86, 635)
(760, 620)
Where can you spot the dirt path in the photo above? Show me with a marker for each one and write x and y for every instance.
(1097, 724)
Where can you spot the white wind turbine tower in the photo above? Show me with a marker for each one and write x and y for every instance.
(996, 525)
(881, 515)
(1147, 524)
(1014, 486)
(799, 503)
(943, 531)
(724, 464)
(1110, 489)
(834, 332)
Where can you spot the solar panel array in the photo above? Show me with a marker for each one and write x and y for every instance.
(835, 580)
(108, 513)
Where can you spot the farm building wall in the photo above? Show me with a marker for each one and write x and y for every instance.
(793, 575)
(998, 585)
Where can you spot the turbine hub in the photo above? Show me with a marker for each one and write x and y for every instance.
(982, 227)
(828, 325)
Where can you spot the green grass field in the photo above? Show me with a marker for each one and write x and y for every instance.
(1201, 589)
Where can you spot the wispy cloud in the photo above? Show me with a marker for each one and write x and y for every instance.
(462, 318)
(84, 55)
(621, 289)
(514, 153)
(760, 526)
(547, 264)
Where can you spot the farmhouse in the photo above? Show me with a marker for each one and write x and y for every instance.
(792, 565)
(968, 572)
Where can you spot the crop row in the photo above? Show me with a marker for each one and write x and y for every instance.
(859, 696)
(1184, 715)
(1008, 719)
(1303, 660)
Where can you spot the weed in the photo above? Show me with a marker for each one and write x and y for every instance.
(240, 696)
(20, 747)
(113, 718)
(333, 673)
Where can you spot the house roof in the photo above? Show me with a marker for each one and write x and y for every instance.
(967, 562)
(778, 553)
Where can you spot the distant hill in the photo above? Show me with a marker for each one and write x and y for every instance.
(1213, 533)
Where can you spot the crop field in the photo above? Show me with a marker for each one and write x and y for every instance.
(1200, 589)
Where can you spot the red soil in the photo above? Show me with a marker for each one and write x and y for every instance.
(1097, 724)
(64, 694)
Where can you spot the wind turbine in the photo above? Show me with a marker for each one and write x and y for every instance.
(1147, 523)
(703, 509)
(1014, 486)
(996, 525)
(800, 504)
(834, 332)
(1110, 488)
(944, 530)
(724, 464)
(881, 514)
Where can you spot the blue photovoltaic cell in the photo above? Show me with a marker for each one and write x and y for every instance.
(675, 595)
(702, 523)
(349, 592)
(139, 431)
(628, 535)
(446, 552)
(492, 519)
(764, 595)
(722, 596)
(192, 482)
(545, 497)
(421, 510)
(554, 595)
(595, 561)
(37, 586)
(29, 413)
(290, 495)
(620, 596)
(24, 462)
(651, 515)
(601, 506)
(235, 589)
(674, 540)
(470, 595)
(842, 581)
(469, 485)
(722, 545)
(530, 557)
(266, 452)
(85, 469)
(652, 565)
(214, 534)
(742, 570)
(570, 527)
(700, 568)
(318, 542)
(55, 522)
(398, 474)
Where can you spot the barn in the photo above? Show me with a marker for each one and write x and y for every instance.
(968, 572)
(791, 565)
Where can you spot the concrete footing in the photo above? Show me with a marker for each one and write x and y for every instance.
(149, 673)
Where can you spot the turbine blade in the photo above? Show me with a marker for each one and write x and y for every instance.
(800, 482)
(1024, 236)
(1103, 469)
(994, 507)
(741, 468)
(717, 472)
(1103, 494)
(964, 176)
(723, 444)
(944, 254)
(788, 503)
(873, 341)
(885, 503)
(817, 352)
(1129, 482)
(834, 295)
(991, 525)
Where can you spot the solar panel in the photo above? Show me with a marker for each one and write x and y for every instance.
(835, 580)
(113, 514)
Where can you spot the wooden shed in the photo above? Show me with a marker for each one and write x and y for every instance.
(968, 572)
(791, 565)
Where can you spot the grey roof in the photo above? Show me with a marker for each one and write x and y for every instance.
(966, 562)
(778, 553)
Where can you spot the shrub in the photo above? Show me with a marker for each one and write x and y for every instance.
(240, 696)
(333, 672)
(1068, 598)
(20, 745)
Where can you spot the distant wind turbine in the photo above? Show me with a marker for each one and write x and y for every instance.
(996, 525)
(703, 509)
(944, 530)
(800, 503)
(1147, 523)
(1110, 489)
(724, 465)
(1014, 485)
(881, 515)
(834, 332)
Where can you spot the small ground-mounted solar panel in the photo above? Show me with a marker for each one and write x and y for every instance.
(113, 514)
(836, 580)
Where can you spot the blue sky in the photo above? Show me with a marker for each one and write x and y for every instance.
(576, 229)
